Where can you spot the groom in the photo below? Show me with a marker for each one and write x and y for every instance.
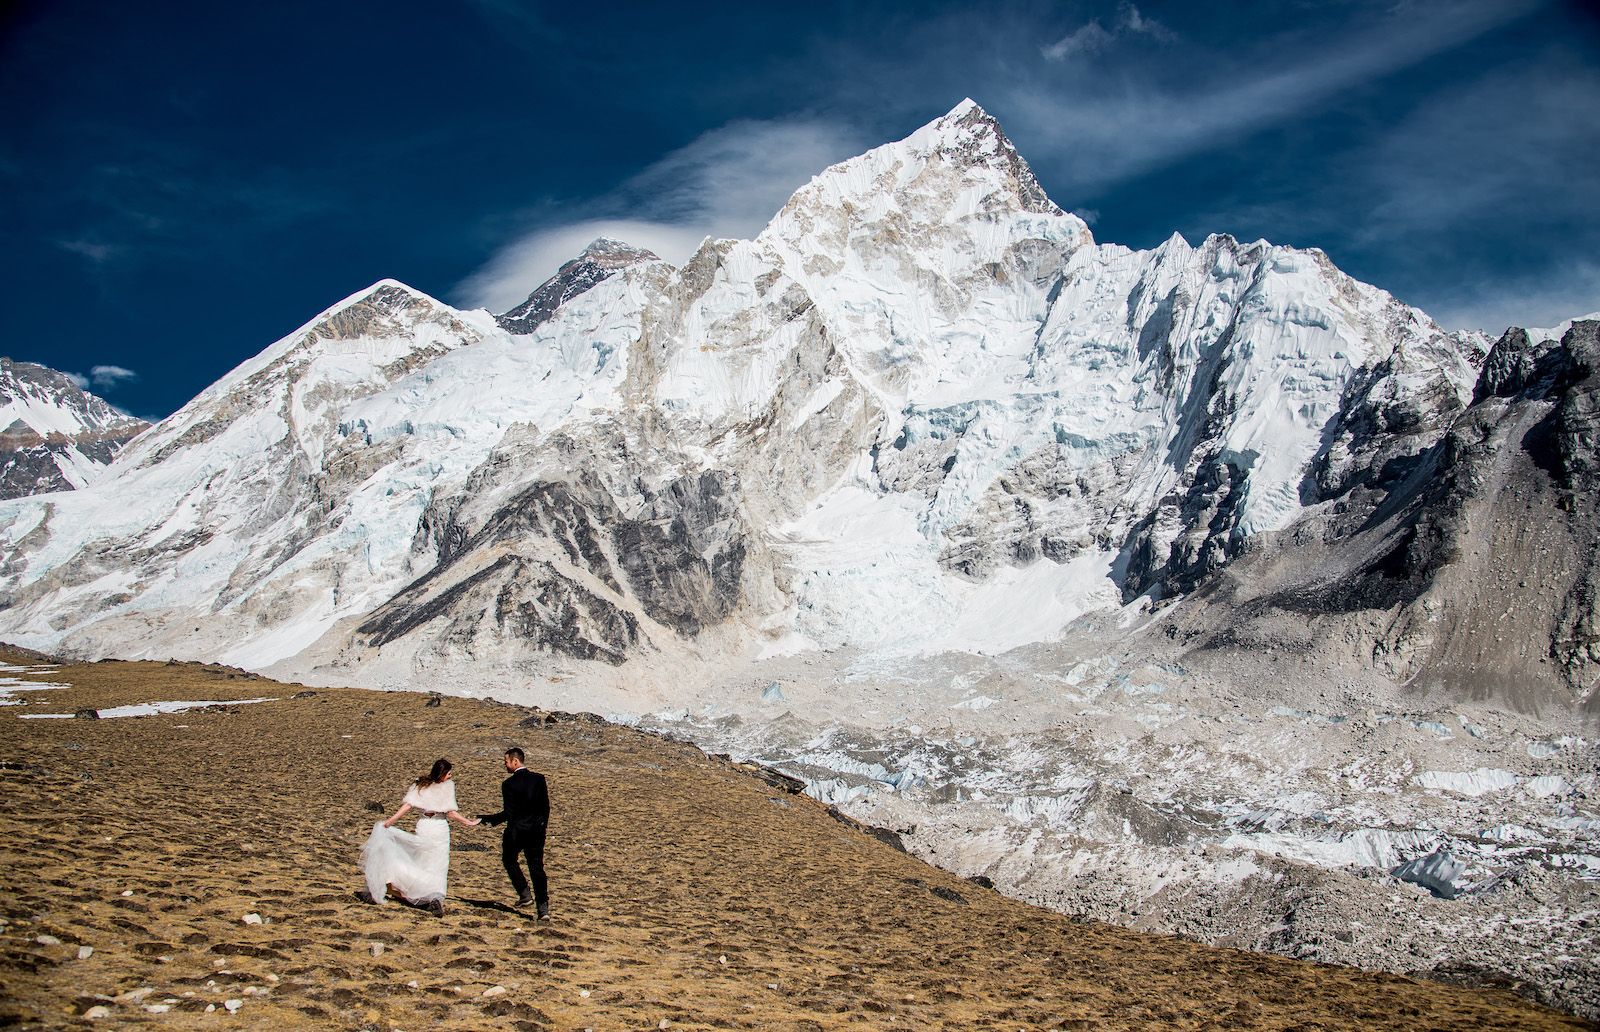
(526, 812)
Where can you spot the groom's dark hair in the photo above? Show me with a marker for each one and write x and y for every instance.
(517, 754)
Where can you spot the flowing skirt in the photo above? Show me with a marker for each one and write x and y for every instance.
(415, 864)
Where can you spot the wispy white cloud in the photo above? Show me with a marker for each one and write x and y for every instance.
(1092, 38)
(106, 377)
(1088, 39)
(726, 183)
(95, 252)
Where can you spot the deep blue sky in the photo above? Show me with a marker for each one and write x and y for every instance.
(183, 183)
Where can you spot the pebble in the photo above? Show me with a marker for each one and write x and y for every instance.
(85, 952)
(210, 1007)
(97, 1012)
(664, 1023)
(232, 1006)
(157, 1008)
(125, 892)
(47, 940)
(252, 919)
(377, 949)
(583, 993)
(494, 990)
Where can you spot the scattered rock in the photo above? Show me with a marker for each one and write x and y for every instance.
(304, 695)
(87, 714)
(434, 701)
(776, 778)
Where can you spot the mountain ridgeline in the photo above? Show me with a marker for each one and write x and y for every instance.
(923, 383)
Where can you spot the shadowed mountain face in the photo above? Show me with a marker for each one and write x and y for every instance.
(56, 435)
(1468, 532)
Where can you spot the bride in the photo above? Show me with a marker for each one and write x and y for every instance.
(414, 866)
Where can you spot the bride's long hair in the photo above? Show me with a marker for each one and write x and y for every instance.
(441, 767)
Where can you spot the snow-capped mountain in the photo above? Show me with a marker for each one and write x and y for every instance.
(1017, 519)
(57, 436)
(921, 410)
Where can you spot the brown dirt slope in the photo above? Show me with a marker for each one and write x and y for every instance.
(687, 893)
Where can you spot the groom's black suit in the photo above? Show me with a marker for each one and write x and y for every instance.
(526, 814)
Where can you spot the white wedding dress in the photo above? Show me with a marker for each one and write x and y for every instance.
(415, 864)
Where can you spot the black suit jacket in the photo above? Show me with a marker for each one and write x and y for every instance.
(526, 801)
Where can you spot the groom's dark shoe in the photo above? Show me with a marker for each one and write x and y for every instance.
(523, 901)
(365, 896)
(544, 911)
(436, 907)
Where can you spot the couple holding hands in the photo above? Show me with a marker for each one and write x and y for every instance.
(415, 866)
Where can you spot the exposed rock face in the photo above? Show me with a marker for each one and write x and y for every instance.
(56, 435)
(1449, 547)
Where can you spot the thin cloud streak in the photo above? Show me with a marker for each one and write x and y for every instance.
(1092, 38)
(1097, 139)
(106, 377)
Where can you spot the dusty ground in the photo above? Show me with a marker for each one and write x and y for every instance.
(687, 893)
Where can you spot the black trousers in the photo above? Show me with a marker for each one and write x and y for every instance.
(528, 842)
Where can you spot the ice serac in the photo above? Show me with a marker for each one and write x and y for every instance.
(601, 259)
(56, 436)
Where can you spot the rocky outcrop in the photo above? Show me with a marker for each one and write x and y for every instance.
(1451, 547)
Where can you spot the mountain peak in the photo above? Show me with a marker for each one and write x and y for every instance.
(619, 253)
(603, 258)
